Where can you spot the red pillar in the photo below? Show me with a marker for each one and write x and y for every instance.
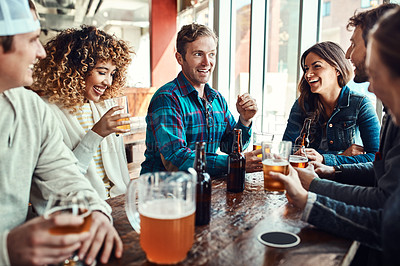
(163, 31)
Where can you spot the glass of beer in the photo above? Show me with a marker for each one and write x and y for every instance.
(298, 158)
(123, 102)
(164, 215)
(75, 204)
(275, 157)
(259, 137)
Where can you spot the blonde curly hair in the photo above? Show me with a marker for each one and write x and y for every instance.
(71, 56)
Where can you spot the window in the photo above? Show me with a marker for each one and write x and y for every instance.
(259, 40)
(326, 9)
(369, 3)
(335, 30)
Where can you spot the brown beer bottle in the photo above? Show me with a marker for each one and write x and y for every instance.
(203, 187)
(303, 138)
(237, 165)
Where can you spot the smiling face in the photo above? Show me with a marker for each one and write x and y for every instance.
(16, 66)
(98, 80)
(356, 53)
(321, 76)
(198, 64)
(382, 82)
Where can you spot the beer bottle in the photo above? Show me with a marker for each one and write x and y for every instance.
(303, 138)
(237, 165)
(203, 187)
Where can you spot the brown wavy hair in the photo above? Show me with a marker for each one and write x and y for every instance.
(71, 56)
(335, 57)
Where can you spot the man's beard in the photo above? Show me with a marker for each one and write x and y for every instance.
(360, 75)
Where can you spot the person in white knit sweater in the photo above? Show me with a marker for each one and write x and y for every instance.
(82, 68)
(33, 155)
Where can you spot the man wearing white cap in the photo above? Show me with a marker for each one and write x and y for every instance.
(34, 162)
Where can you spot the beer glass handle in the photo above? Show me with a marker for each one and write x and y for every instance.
(130, 206)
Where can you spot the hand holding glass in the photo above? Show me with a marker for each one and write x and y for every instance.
(123, 102)
(275, 157)
(76, 204)
(298, 158)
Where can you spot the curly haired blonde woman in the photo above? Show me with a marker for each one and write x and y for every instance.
(82, 68)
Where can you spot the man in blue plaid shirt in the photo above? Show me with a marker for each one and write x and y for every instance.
(187, 110)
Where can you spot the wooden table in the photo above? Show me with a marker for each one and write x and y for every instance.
(231, 236)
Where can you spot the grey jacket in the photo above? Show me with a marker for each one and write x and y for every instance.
(367, 184)
(34, 162)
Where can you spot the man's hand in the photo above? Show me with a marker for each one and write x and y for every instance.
(253, 163)
(108, 123)
(323, 170)
(313, 155)
(353, 150)
(102, 233)
(306, 176)
(295, 192)
(32, 244)
(247, 108)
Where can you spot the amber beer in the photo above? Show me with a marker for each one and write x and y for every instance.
(275, 165)
(298, 161)
(128, 126)
(64, 230)
(256, 147)
(167, 230)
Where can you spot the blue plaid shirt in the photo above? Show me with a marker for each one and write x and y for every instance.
(177, 118)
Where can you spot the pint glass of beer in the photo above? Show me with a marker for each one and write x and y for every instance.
(165, 214)
(275, 157)
(298, 158)
(259, 137)
(75, 204)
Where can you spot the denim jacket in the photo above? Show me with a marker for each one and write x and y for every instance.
(353, 120)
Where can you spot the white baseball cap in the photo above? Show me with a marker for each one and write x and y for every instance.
(16, 18)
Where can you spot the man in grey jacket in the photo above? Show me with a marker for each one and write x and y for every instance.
(33, 156)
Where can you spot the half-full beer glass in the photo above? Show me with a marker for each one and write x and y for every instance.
(165, 214)
(298, 158)
(123, 102)
(275, 157)
(259, 137)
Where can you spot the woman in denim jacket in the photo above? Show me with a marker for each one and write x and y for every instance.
(342, 119)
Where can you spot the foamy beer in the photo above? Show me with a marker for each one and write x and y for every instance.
(299, 157)
(165, 216)
(298, 161)
(166, 231)
(276, 159)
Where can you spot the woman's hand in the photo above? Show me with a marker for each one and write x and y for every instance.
(108, 123)
(353, 150)
(295, 192)
(313, 155)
